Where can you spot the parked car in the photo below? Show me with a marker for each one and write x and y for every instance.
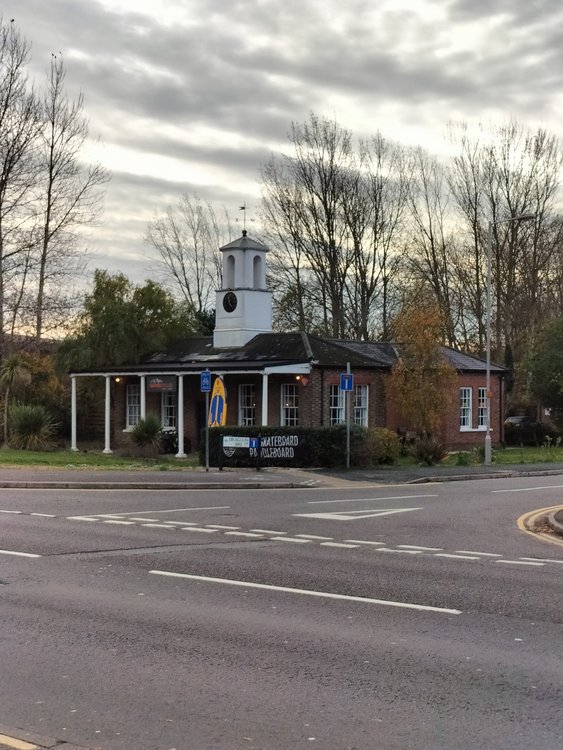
(524, 430)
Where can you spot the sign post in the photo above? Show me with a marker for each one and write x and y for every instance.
(347, 386)
(205, 387)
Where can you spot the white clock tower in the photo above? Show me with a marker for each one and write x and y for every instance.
(244, 305)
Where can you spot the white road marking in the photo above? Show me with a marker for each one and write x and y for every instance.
(82, 518)
(290, 539)
(110, 515)
(519, 562)
(147, 520)
(530, 489)
(17, 554)
(416, 546)
(353, 515)
(541, 559)
(312, 536)
(481, 554)
(456, 557)
(178, 523)
(220, 526)
(43, 515)
(306, 592)
(244, 533)
(403, 551)
(269, 531)
(196, 528)
(364, 541)
(15, 512)
(339, 544)
(368, 499)
(120, 523)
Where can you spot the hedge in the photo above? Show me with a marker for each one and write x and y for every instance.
(304, 446)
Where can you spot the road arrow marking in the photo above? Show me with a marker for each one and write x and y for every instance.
(353, 515)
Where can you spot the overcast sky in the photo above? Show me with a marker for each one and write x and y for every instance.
(194, 95)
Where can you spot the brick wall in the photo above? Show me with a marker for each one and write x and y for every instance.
(454, 437)
(314, 404)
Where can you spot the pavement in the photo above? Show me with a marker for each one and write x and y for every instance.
(267, 478)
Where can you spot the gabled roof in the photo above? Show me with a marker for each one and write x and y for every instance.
(285, 349)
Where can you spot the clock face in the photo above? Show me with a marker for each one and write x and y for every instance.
(230, 302)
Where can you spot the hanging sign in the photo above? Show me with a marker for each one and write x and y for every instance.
(161, 383)
(218, 408)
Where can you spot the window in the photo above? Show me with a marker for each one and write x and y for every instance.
(482, 408)
(133, 405)
(168, 409)
(360, 407)
(465, 408)
(336, 408)
(289, 405)
(246, 405)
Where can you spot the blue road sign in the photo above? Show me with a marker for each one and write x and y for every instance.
(253, 443)
(205, 381)
(346, 381)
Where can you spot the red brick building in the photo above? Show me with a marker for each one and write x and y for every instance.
(278, 379)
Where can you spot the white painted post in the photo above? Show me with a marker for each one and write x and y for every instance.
(180, 453)
(143, 398)
(264, 400)
(107, 448)
(73, 446)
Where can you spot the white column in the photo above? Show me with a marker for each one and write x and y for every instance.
(107, 448)
(143, 397)
(264, 400)
(180, 453)
(73, 446)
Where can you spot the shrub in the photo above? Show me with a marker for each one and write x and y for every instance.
(169, 442)
(32, 428)
(385, 445)
(429, 450)
(463, 458)
(146, 433)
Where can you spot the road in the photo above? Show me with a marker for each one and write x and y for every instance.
(357, 618)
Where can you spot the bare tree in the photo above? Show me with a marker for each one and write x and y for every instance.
(68, 194)
(19, 119)
(374, 205)
(499, 173)
(304, 192)
(187, 238)
(432, 250)
(334, 211)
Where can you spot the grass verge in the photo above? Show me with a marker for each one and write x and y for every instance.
(66, 459)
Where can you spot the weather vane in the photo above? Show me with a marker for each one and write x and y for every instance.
(244, 209)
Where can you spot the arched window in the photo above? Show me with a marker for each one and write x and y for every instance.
(229, 272)
(257, 272)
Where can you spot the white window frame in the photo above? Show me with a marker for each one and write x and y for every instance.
(246, 405)
(482, 408)
(132, 405)
(360, 405)
(465, 409)
(336, 413)
(289, 405)
(168, 410)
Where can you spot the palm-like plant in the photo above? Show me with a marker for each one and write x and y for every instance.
(14, 371)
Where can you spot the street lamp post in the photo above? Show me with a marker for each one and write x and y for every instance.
(518, 217)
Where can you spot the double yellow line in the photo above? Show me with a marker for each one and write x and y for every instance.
(528, 521)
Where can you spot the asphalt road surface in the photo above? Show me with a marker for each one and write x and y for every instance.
(366, 618)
